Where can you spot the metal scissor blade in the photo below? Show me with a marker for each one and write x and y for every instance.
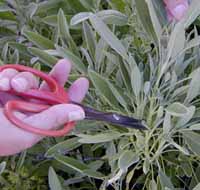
(113, 118)
(116, 119)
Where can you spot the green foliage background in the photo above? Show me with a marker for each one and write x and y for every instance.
(138, 65)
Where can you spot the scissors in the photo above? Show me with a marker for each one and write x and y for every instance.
(56, 95)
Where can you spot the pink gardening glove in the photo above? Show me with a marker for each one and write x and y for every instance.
(176, 9)
(14, 140)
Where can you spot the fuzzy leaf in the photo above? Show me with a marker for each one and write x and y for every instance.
(54, 182)
(80, 17)
(154, 19)
(187, 117)
(176, 41)
(197, 187)
(136, 81)
(167, 123)
(31, 9)
(165, 181)
(195, 127)
(73, 58)
(192, 140)
(100, 50)
(20, 47)
(143, 13)
(194, 87)
(153, 185)
(46, 5)
(63, 26)
(177, 109)
(89, 38)
(192, 13)
(175, 46)
(120, 98)
(64, 32)
(127, 159)
(52, 20)
(107, 16)
(44, 57)
(182, 149)
(39, 40)
(78, 166)
(102, 86)
(63, 147)
(125, 75)
(103, 30)
(146, 166)
(2, 167)
(99, 138)
(113, 17)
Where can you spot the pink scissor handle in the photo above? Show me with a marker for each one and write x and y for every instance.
(57, 96)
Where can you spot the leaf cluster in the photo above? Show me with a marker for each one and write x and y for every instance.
(138, 65)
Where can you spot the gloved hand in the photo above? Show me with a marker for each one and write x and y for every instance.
(176, 8)
(13, 139)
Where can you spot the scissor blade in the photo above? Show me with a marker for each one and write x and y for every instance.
(113, 118)
(117, 119)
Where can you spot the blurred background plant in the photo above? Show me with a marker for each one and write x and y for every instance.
(139, 64)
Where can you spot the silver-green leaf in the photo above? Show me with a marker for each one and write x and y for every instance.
(79, 166)
(99, 138)
(43, 56)
(103, 30)
(165, 181)
(103, 88)
(192, 140)
(136, 80)
(2, 167)
(194, 87)
(197, 187)
(39, 40)
(113, 17)
(73, 58)
(63, 147)
(127, 159)
(177, 109)
(54, 182)
(80, 17)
